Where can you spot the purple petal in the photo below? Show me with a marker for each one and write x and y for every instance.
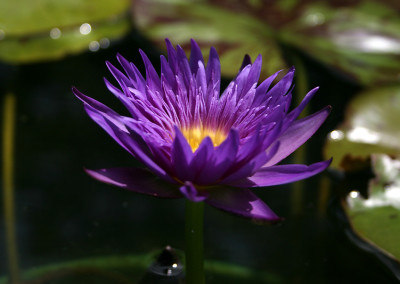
(282, 87)
(246, 169)
(213, 69)
(167, 75)
(296, 112)
(100, 114)
(136, 179)
(202, 158)
(152, 79)
(93, 103)
(261, 90)
(254, 73)
(241, 202)
(133, 142)
(172, 60)
(114, 125)
(126, 65)
(134, 74)
(123, 98)
(118, 75)
(195, 56)
(246, 61)
(181, 156)
(184, 67)
(222, 159)
(191, 193)
(298, 133)
(282, 174)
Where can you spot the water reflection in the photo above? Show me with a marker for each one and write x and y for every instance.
(364, 41)
(364, 135)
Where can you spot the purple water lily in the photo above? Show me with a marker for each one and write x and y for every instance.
(198, 143)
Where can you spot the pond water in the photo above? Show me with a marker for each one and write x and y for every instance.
(63, 215)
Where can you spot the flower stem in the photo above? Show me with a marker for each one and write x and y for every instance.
(8, 185)
(194, 242)
(300, 155)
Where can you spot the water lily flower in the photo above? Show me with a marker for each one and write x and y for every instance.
(202, 145)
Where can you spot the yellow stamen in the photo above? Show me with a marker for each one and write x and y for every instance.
(196, 134)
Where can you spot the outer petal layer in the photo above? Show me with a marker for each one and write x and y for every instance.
(241, 202)
(136, 179)
(282, 174)
(298, 133)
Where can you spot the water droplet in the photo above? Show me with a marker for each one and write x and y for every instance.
(85, 29)
(104, 43)
(167, 263)
(94, 46)
(354, 194)
(336, 135)
(55, 33)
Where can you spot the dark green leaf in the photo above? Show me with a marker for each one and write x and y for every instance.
(49, 29)
(362, 40)
(232, 34)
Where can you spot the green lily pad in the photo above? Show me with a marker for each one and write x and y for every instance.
(233, 36)
(361, 40)
(50, 29)
(371, 126)
(377, 218)
(132, 269)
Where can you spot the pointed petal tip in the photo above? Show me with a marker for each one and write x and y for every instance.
(327, 109)
(109, 66)
(242, 202)
(137, 180)
(246, 61)
(213, 51)
(142, 53)
(78, 94)
(121, 58)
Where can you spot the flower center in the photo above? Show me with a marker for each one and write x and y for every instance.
(196, 134)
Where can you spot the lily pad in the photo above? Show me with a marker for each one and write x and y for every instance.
(377, 218)
(210, 25)
(371, 126)
(50, 29)
(361, 40)
(133, 269)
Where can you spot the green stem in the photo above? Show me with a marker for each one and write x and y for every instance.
(8, 185)
(194, 242)
(299, 155)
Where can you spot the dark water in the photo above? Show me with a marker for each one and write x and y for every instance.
(62, 214)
